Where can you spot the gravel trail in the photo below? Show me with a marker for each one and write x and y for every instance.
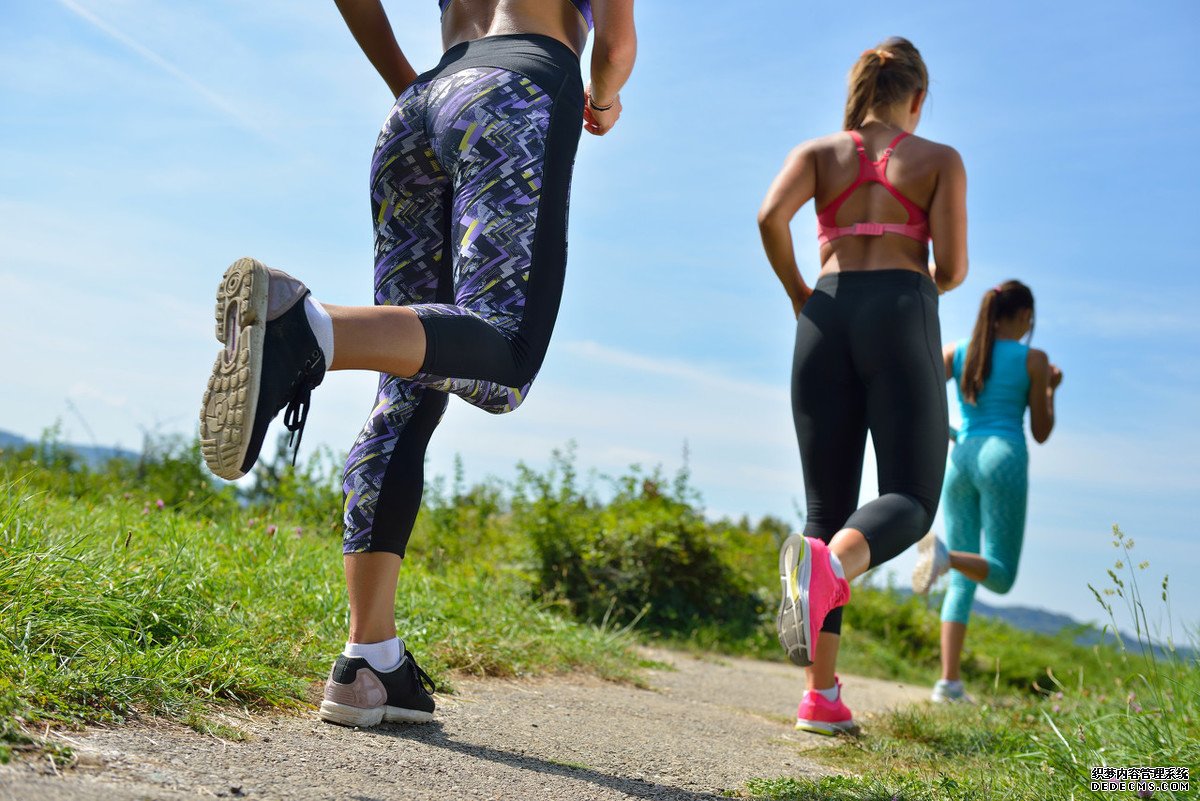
(703, 726)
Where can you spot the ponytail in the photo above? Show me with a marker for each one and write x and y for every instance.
(1002, 302)
(882, 76)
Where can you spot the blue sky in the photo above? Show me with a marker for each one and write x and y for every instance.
(144, 146)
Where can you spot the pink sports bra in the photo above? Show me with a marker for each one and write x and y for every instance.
(869, 171)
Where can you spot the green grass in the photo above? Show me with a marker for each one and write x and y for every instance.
(1023, 750)
(1130, 708)
(148, 588)
(110, 605)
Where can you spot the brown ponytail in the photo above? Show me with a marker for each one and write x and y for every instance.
(1002, 302)
(883, 75)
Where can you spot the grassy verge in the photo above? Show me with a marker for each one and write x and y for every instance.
(1136, 707)
(111, 604)
(145, 587)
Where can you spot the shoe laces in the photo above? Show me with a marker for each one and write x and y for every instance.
(295, 413)
(422, 677)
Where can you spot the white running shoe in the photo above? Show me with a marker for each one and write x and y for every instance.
(950, 692)
(933, 562)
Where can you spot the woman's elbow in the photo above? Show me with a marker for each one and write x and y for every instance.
(616, 55)
(771, 216)
(1042, 433)
(956, 275)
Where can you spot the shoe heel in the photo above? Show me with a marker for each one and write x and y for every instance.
(346, 715)
(244, 284)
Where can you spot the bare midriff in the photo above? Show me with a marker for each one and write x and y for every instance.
(466, 20)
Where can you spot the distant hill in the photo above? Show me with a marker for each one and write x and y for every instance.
(1029, 618)
(92, 455)
(1043, 621)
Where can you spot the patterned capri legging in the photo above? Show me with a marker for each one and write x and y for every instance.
(986, 489)
(470, 184)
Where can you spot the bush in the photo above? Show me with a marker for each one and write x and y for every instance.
(647, 556)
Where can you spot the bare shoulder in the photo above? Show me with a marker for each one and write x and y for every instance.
(829, 142)
(832, 149)
(1037, 359)
(937, 154)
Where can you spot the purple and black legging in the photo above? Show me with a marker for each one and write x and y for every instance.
(470, 184)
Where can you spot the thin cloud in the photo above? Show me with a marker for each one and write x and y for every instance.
(212, 98)
(715, 376)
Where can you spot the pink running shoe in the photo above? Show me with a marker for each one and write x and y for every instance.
(820, 716)
(810, 591)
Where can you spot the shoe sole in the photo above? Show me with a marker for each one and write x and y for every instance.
(795, 570)
(922, 577)
(345, 715)
(827, 729)
(231, 397)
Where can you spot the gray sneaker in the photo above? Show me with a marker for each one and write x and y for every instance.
(357, 694)
(271, 360)
(933, 562)
(950, 692)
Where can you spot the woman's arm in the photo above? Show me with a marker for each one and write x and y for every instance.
(1044, 379)
(948, 359)
(367, 20)
(792, 188)
(948, 223)
(613, 54)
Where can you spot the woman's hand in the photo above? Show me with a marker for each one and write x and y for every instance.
(1056, 376)
(599, 121)
(800, 297)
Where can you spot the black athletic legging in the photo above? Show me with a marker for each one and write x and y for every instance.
(868, 357)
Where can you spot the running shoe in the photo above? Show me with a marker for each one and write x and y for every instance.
(271, 361)
(810, 591)
(357, 694)
(933, 562)
(819, 715)
(950, 692)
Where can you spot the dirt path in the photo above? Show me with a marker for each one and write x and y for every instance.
(703, 727)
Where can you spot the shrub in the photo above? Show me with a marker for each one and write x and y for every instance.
(647, 556)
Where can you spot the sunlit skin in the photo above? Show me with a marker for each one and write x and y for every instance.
(391, 339)
(932, 176)
(1044, 379)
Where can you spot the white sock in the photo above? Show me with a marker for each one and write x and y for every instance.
(836, 564)
(322, 327)
(830, 695)
(384, 656)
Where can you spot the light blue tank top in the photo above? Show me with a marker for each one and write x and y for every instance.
(999, 411)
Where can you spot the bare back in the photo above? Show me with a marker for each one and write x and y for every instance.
(913, 169)
(466, 20)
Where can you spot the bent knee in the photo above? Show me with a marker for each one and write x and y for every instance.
(504, 400)
(1000, 581)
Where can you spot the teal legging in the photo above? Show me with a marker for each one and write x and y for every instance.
(987, 483)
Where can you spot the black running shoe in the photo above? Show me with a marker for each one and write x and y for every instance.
(271, 360)
(357, 694)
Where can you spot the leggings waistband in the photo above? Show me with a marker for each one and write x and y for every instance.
(876, 280)
(545, 60)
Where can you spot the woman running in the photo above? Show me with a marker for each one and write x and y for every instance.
(469, 192)
(867, 349)
(987, 481)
